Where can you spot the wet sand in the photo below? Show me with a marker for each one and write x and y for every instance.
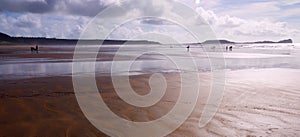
(256, 102)
(62, 52)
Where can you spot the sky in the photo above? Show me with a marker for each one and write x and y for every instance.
(235, 20)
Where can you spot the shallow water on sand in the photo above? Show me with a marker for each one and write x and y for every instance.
(162, 61)
(256, 101)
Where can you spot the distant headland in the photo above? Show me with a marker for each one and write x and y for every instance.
(257, 42)
(9, 40)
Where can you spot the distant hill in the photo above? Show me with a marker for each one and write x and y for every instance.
(217, 41)
(231, 42)
(282, 41)
(4, 36)
(286, 41)
(6, 39)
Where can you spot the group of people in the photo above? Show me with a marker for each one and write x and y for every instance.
(227, 48)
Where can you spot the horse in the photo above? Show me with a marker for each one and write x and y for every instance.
(34, 49)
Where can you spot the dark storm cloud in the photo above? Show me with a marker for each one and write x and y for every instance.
(87, 8)
(28, 6)
(81, 8)
(155, 21)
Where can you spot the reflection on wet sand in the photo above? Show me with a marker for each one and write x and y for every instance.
(263, 102)
(261, 95)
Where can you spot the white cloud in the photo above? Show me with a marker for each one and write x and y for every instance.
(125, 33)
(209, 3)
(289, 2)
(272, 10)
(233, 28)
(240, 23)
(36, 25)
(257, 9)
(220, 21)
(27, 21)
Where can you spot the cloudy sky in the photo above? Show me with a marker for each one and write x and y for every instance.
(236, 20)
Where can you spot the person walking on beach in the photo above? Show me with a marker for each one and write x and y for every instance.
(230, 48)
(188, 48)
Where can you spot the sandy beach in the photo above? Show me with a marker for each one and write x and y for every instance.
(149, 68)
(252, 106)
(256, 102)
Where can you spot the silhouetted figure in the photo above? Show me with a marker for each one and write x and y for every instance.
(188, 48)
(36, 49)
(226, 48)
(230, 48)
